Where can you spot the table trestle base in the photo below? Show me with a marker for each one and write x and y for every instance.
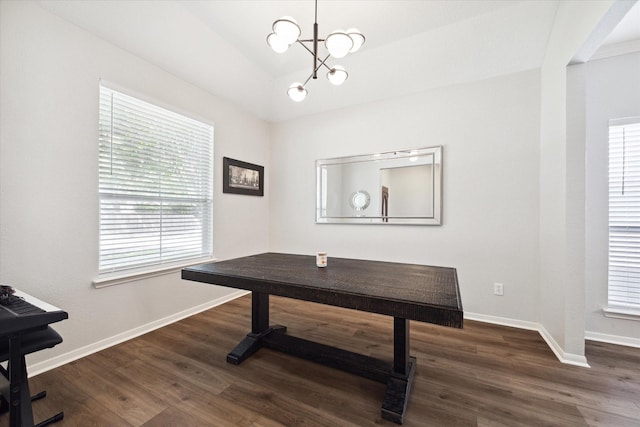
(397, 375)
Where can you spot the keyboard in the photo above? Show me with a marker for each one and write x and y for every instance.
(17, 306)
(22, 313)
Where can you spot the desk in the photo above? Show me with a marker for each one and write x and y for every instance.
(404, 291)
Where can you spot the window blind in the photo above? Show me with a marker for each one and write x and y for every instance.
(624, 213)
(155, 184)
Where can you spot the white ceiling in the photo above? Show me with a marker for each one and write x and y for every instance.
(411, 45)
(628, 29)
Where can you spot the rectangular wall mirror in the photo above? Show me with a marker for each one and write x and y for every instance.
(398, 187)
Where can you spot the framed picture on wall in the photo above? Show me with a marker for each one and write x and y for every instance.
(242, 178)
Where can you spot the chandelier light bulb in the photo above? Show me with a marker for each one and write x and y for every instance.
(276, 43)
(287, 29)
(337, 75)
(297, 92)
(358, 39)
(338, 44)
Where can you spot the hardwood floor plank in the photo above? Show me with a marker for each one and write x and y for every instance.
(173, 416)
(279, 407)
(599, 418)
(315, 386)
(123, 395)
(483, 375)
(265, 422)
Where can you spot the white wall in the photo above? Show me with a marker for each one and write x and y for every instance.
(562, 286)
(49, 78)
(613, 91)
(489, 131)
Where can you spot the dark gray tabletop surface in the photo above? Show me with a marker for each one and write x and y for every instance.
(411, 291)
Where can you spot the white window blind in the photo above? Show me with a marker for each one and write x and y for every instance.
(624, 213)
(156, 185)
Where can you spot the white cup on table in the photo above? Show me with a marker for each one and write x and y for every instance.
(321, 259)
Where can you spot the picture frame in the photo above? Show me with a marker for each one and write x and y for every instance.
(240, 177)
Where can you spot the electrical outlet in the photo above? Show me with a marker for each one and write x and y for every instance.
(498, 289)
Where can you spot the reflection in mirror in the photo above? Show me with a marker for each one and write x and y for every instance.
(360, 200)
(399, 187)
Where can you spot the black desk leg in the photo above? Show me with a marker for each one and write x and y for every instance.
(404, 366)
(259, 329)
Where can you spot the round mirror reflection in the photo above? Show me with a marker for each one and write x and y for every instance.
(360, 200)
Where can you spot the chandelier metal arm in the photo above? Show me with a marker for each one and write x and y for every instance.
(305, 46)
(307, 81)
(322, 62)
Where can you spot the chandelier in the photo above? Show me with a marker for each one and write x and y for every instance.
(338, 44)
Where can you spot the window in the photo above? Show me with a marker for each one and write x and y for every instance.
(155, 185)
(624, 215)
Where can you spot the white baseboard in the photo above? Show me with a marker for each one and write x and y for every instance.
(613, 339)
(568, 358)
(54, 362)
(503, 321)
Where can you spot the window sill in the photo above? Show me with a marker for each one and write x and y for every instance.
(626, 313)
(133, 275)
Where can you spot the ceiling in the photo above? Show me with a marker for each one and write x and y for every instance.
(411, 45)
(628, 29)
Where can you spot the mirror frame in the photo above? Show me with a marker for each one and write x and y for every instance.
(435, 219)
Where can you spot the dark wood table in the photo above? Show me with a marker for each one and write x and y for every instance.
(404, 291)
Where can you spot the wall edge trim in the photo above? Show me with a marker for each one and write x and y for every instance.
(566, 358)
(54, 362)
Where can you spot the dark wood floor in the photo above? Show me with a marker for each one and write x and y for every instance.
(483, 375)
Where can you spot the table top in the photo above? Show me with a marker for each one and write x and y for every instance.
(410, 291)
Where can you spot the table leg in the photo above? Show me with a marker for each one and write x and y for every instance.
(396, 397)
(400, 346)
(259, 329)
(259, 312)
